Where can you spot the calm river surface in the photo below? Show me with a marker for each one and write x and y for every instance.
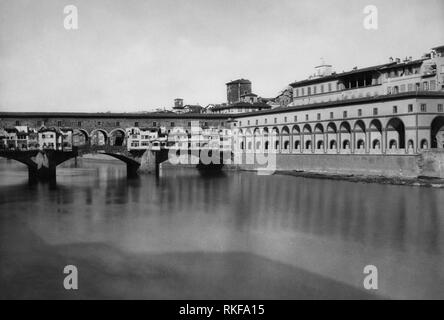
(237, 235)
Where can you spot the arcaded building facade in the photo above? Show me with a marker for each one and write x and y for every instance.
(393, 108)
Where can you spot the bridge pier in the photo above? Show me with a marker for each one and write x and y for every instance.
(41, 164)
(151, 160)
(43, 174)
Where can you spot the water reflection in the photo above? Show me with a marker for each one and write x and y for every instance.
(331, 228)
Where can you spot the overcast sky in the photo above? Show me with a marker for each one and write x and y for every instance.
(133, 55)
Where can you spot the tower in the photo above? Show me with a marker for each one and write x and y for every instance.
(237, 88)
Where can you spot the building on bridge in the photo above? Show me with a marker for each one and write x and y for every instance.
(392, 108)
(110, 129)
(50, 138)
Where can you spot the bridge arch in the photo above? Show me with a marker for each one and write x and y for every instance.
(80, 137)
(99, 137)
(117, 137)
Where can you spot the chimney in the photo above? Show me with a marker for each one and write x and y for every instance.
(398, 60)
(391, 59)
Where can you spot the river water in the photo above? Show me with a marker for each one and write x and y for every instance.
(237, 235)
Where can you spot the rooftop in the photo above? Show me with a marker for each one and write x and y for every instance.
(239, 81)
(104, 115)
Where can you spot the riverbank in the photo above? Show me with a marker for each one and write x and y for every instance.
(414, 182)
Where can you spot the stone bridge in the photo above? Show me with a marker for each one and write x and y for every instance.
(42, 164)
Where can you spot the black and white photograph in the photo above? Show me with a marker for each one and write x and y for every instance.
(220, 150)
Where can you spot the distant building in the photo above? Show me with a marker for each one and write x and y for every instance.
(67, 138)
(11, 138)
(178, 105)
(3, 138)
(392, 108)
(241, 107)
(190, 108)
(237, 88)
(249, 98)
(285, 97)
(141, 138)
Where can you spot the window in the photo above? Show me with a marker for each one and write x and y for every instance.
(359, 112)
(319, 116)
(266, 120)
(306, 117)
(257, 121)
(296, 92)
(302, 92)
(99, 123)
(423, 107)
(402, 88)
(410, 87)
(59, 123)
(172, 124)
(425, 86)
(314, 90)
(331, 115)
(309, 91)
(206, 124)
(375, 111)
(248, 122)
(117, 123)
(322, 88)
(329, 87)
(295, 118)
(155, 124)
(389, 90)
(440, 107)
(395, 109)
(432, 85)
(17, 123)
(136, 124)
(79, 124)
(410, 108)
(285, 119)
(275, 120)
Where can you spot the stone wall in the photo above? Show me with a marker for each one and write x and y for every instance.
(428, 164)
(431, 163)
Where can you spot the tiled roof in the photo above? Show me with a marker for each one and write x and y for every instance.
(103, 115)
